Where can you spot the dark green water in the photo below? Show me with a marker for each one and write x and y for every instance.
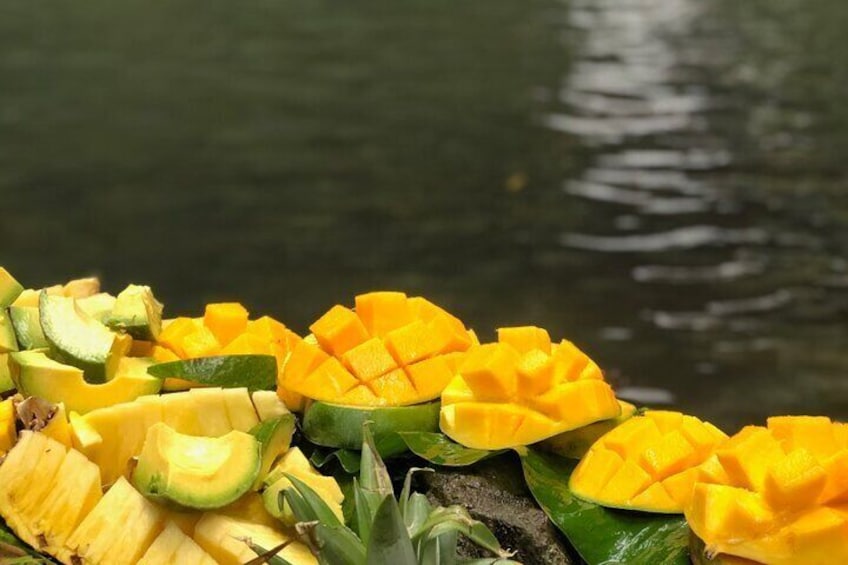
(663, 182)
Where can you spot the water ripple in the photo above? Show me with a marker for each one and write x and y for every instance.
(689, 237)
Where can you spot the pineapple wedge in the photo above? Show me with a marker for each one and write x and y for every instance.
(221, 537)
(173, 546)
(119, 529)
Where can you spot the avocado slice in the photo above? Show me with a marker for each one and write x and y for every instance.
(196, 472)
(98, 306)
(6, 382)
(35, 374)
(27, 327)
(275, 437)
(81, 288)
(10, 289)
(78, 339)
(137, 312)
(8, 341)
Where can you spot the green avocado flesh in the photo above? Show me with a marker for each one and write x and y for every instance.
(137, 312)
(27, 327)
(35, 374)
(255, 372)
(8, 341)
(9, 288)
(275, 437)
(6, 382)
(98, 306)
(334, 425)
(196, 472)
(78, 339)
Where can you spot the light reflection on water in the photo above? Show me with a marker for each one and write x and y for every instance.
(661, 181)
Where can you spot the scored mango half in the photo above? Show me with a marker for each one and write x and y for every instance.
(393, 350)
(647, 463)
(523, 389)
(776, 494)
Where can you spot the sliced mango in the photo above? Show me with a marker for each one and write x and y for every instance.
(513, 392)
(647, 463)
(392, 350)
(776, 494)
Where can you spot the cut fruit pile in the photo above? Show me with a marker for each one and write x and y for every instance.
(392, 351)
(776, 494)
(522, 390)
(647, 463)
(126, 438)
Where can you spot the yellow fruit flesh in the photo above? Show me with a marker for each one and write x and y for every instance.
(778, 497)
(294, 463)
(513, 393)
(647, 463)
(220, 535)
(174, 546)
(391, 351)
(112, 436)
(7, 425)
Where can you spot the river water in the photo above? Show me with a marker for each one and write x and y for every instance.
(661, 181)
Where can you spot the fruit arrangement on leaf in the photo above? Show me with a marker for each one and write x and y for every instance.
(129, 438)
(522, 390)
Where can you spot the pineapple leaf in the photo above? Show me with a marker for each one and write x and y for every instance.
(438, 551)
(407, 489)
(269, 556)
(389, 541)
(417, 511)
(313, 507)
(488, 561)
(333, 545)
(456, 518)
(365, 511)
(373, 475)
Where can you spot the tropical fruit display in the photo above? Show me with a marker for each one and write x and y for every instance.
(129, 437)
(649, 463)
(776, 494)
(523, 389)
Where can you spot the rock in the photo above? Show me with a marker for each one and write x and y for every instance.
(493, 491)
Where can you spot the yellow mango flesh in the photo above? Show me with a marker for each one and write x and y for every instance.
(647, 463)
(776, 494)
(514, 392)
(393, 350)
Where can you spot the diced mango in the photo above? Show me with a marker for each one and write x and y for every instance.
(629, 480)
(339, 330)
(813, 433)
(304, 359)
(382, 312)
(173, 334)
(431, 376)
(457, 390)
(410, 343)
(396, 385)
(535, 373)
(794, 481)
(200, 343)
(327, 382)
(247, 344)
(658, 498)
(269, 329)
(369, 360)
(163, 354)
(526, 338)
(445, 336)
(670, 455)
(596, 469)
(746, 459)
(490, 371)
(225, 320)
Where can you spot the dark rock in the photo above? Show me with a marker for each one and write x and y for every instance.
(494, 492)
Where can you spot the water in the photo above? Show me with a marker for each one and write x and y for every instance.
(661, 181)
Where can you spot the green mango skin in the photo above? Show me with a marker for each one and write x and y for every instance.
(334, 425)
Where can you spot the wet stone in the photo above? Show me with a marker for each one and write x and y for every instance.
(493, 491)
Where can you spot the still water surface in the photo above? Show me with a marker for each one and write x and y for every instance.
(661, 181)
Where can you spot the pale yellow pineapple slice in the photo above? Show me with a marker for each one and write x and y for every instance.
(119, 529)
(26, 478)
(173, 546)
(221, 537)
(74, 493)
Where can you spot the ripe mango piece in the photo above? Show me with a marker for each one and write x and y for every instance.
(776, 494)
(226, 320)
(656, 461)
(393, 350)
(498, 382)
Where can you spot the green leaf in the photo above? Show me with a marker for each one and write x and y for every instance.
(373, 475)
(389, 541)
(457, 519)
(256, 372)
(418, 509)
(406, 492)
(318, 509)
(438, 551)
(488, 561)
(602, 535)
(365, 509)
(335, 545)
(269, 556)
(348, 459)
(438, 449)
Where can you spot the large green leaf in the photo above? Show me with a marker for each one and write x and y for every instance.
(438, 449)
(601, 535)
